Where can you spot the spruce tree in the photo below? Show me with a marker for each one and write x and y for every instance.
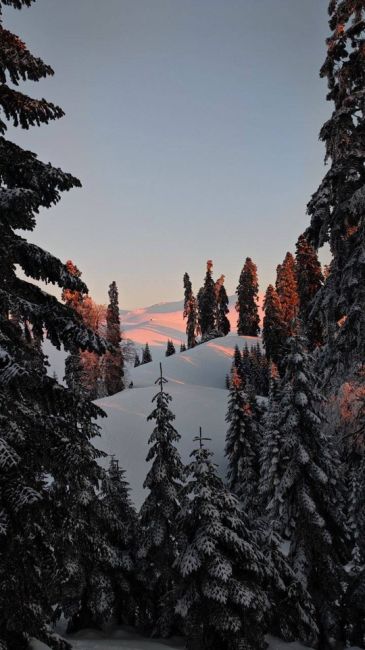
(304, 491)
(242, 447)
(190, 312)
(170, 349)
(287, 290)
(182, 347)
(137, 361)
(247, 295)
(36, 413)
(157, 546)
(207, 305)
(146, 354)
(116, 593)
(223, 324)
(310, 280)
(113, 367)
(220, 592)
(84, 366)
(337, 207)
(274, 328)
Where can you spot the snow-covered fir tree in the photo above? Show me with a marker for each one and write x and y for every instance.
(337, 208)
(287, 290)
(247, 295)
(190, 312)
(137, 361)
(37, 438)
(146, 354)
(274, 329)
(157, 545)
(207, 305)
(243, 442)
(292, 614)
(310, 280)
(182, 347)
(220, 592)
(170, 348)
(116, 586)
(303, 488)
(114, 362)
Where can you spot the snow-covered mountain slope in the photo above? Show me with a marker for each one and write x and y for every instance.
(157, 323)
(153, 325)
(196, 382)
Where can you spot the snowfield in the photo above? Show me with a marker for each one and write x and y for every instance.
(153, 325)
(196, 383)
(126, 639)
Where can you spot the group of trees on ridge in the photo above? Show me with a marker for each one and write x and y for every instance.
(71, 542)
(298, 280)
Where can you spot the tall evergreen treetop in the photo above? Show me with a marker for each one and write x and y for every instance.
(207, 303)
(247, 294)
(242, 446)
(338, 206)
(190, 312)
(222, 306)
(274, 328)
(157, 548)
(310, 280)
(114, 359)
(287, 289)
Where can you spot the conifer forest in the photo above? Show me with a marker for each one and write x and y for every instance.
(189, 475)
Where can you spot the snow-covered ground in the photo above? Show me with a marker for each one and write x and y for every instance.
(196, 382)
(125, 639)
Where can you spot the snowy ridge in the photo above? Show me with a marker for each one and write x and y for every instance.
(196, 382)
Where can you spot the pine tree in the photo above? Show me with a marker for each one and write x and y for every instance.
(157, 547)
(220, 594)
(190, 312)
(310, 280)
(287, 290)
(182, 347)
(207, 305)
(146, 354)
(303, 489)
(137, 361)
(222, 306)
(274, 328)
(170, 349)
(247, 295)
(113, 370)
(242, 447)
(37, 438)
(337, 207)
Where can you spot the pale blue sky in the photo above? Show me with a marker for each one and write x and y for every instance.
(193, 126)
